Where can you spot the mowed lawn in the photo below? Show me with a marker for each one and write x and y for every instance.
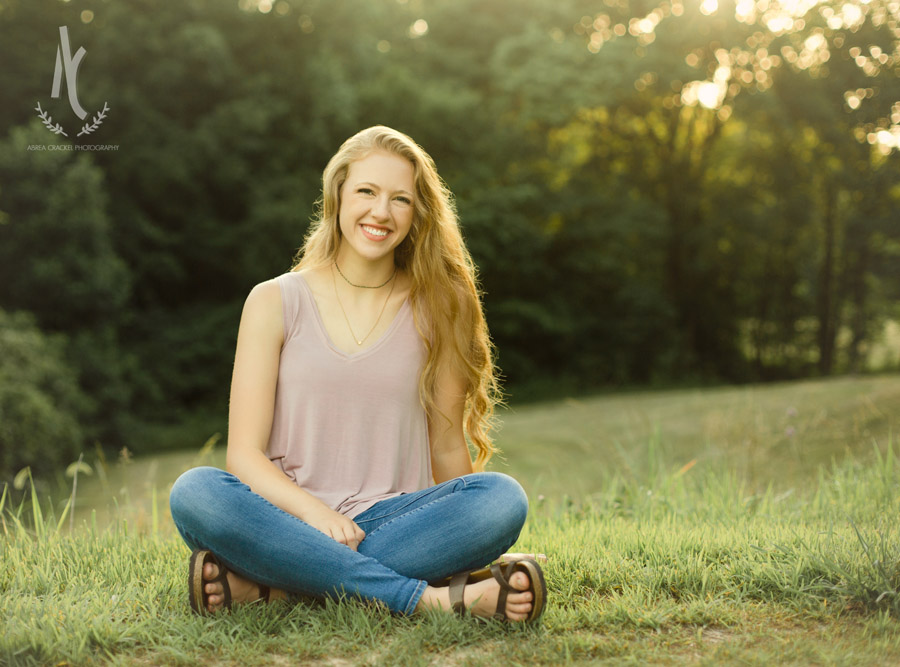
(755, 525)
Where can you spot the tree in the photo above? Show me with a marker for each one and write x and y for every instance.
(40, 401)
(57, 263)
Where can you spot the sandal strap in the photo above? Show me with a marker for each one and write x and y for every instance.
(505, 587)
(223, 573)
(264, 593)
(227, 590)
(501, 573)
(457, 588)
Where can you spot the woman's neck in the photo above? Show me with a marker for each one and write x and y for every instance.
(358, 271)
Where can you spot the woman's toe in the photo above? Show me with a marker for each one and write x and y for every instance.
(514, 615)
(520, 581)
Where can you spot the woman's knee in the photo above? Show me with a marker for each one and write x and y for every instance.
(506, 498)
(195, 491)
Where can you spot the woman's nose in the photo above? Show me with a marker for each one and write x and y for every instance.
(381, 208)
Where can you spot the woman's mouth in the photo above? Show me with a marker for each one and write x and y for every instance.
(375, 233)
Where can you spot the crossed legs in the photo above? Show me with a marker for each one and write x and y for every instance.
(410, 539)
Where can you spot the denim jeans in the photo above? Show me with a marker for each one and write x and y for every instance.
(411, 539)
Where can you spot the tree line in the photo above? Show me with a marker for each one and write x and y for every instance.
(654, 192)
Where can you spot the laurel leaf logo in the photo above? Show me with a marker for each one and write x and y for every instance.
(47, 119)
(97, 121)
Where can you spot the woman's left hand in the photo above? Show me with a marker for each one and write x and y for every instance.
(335, 525)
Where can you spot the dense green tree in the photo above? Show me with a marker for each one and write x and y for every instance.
(653, 191)
(57, 262)
(41, 404)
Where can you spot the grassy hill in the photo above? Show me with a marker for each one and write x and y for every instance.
(693, 527)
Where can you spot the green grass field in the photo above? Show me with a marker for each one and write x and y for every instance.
(756, 525)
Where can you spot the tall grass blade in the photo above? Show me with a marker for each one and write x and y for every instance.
(889, 458)
(207, 449)
(101, 466)
(72, 471)
(154, 514)
(62, 517)
(2, 505)
(876, 564)
(36, 512)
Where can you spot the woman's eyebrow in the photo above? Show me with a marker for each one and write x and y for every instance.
(375, 185)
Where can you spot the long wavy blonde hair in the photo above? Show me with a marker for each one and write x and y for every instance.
(444, 293)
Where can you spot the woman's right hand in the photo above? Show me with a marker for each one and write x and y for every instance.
(335, 525)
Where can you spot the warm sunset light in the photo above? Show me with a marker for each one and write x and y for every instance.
(751, 65)
(377, 331)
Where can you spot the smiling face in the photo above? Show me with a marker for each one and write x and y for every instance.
(377, 205)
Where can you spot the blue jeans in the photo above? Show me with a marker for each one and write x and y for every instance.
(411, 539)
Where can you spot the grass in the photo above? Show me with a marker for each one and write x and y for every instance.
(775, 433)
(664, 561)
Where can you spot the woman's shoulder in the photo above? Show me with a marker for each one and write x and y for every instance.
(279, 292)
(262, 313)
(266, 292)
(277, 286)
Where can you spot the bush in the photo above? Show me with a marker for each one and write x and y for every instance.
(40, 401)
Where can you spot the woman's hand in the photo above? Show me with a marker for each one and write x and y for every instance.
(335, 525)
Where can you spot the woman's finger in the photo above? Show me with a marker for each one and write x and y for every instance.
(352, 538)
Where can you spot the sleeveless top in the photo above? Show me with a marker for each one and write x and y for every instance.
(349, 429)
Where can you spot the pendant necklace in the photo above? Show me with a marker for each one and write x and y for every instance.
(360, 341)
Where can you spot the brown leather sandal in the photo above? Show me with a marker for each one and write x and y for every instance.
(199, 598)
(502, 572)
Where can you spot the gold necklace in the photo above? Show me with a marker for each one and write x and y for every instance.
(360, 341)
(365, 286)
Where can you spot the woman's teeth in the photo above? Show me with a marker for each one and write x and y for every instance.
(374, 231)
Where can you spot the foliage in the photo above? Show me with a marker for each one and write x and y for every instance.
(58, 263)
(40, 401)
(654, 192)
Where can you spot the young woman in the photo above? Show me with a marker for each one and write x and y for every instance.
(357, 377)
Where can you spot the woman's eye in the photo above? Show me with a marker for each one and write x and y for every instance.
(404, 200)
(366, 191)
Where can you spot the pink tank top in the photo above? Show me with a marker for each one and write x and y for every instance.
(349, 429)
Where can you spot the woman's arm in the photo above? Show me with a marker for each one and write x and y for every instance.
(449, 452)
(251, 408)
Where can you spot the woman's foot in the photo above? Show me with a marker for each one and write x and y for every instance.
(242, 590)
(481, 598)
